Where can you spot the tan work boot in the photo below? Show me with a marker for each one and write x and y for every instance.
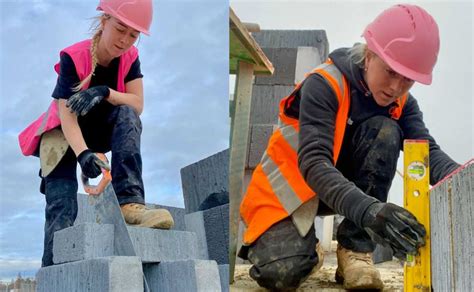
(356, 270)
(141, 216)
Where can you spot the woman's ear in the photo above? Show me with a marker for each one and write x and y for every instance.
(368, 57)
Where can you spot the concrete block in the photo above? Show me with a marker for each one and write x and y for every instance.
(195, 223)
(110, 274)
(259, 136)
(307, 58)
(294, 39)
(188, 275)
(216, 222)
(207, 176)
(266, 101)
(324, 227)
(83, 241)
(224, 275)
(177, 213)
(284, 62)
(212, 229)
(452, 235)
(155, 245)
(85, 211)
(382, 254)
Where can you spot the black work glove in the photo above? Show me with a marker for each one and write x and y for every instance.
(91, 165)
(82, 101)
(391, 225)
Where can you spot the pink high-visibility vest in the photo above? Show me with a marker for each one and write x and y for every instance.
(30, 137)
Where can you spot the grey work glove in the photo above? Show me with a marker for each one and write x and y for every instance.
(83, 101)
(391, 225)
(91, 165)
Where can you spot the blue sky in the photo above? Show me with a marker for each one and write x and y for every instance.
(185, 67)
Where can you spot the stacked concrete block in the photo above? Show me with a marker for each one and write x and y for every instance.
(113, 274)
(82, 242)
(187, 275)
(207, 176)
(155, 245)
(212, 229)
(294, 39)
(452, 236)
(86, 259)
(293, 54)
(265, 102)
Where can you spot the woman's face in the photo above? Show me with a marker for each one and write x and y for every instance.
(117, 37)
(385, 84)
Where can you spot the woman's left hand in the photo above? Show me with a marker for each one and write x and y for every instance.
(83, 101)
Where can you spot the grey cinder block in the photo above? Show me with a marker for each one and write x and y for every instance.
(110, 274)
(212, 229)
(155, 245)
(224, 274)
(195, 223)
(188, 275)
(382, 254)
(177, 213)
(216, 222)
(284, 62)
(207, 176)
(294, 39)
(83, 241)
(259, 136)
(452, 236)
(266, 102)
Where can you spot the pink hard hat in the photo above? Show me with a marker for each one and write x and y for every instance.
(406, 37)
(135, 13)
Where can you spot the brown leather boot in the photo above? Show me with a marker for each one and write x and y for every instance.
(141, 216)
(356, 270)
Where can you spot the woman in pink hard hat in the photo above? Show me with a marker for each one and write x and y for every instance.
(342, 130)
(98, 99)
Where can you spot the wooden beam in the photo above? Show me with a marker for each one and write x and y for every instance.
(238, 153)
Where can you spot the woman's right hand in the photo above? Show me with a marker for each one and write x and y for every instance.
(391, 225)
(91, 165)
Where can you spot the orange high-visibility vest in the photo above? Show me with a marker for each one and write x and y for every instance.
(277, 187)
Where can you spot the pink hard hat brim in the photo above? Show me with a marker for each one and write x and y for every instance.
(127, 22)
(396, 66)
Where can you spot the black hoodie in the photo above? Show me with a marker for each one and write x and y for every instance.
(316, 106)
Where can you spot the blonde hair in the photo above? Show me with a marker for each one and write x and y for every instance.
(358, 53)
(96, 28)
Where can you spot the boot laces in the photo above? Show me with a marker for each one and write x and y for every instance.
(356, 256)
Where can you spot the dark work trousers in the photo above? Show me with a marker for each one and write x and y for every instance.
(281, 258)
(105, 128)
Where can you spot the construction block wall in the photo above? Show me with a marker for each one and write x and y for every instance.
(293, 53)
(203, 178)
(452, 231)
(87, 259)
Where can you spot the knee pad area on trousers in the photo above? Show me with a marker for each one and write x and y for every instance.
(126, 113)
(57, 188)
(284, 274)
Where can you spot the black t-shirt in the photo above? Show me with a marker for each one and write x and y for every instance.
(68, 77)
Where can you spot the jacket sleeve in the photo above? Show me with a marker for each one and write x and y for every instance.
(318, 110)
(413, 127)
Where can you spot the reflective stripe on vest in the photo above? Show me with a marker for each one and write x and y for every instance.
(277, 187)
